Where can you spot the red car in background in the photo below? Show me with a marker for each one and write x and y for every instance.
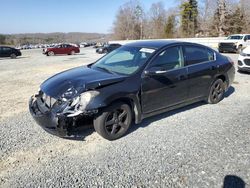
(61, 49)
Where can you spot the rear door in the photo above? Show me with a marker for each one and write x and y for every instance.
(201, 66)
(168, 86)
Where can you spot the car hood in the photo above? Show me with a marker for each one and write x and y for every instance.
(246, 50)
(229, 41)
(80, 78)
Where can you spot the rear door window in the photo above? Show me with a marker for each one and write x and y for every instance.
(197, 54)
(169, 59)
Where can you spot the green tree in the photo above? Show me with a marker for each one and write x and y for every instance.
(170, 27)
(2, 39)
(189, 18)
(235, 22)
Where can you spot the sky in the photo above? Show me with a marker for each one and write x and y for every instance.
(45, 16)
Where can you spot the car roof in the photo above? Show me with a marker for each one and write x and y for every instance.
(5, 47)
(157, 44)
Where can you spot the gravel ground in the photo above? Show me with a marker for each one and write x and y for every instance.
(197, 146)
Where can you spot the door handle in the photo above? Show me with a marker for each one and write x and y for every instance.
(160, 72)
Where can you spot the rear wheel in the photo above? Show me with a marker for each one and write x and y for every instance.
(51, 53)
(216, 92)
(114, 121)
(13, 56)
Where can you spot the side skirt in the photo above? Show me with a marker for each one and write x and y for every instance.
(171, 108)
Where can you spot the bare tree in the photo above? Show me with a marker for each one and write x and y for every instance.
(128, 23)
(206, 11)
(222, 17)
(245, 7)
(157, 20)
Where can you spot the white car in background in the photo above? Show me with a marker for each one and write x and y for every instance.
(234, 43)
(244, 60)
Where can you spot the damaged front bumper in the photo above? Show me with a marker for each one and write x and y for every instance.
(54, 118)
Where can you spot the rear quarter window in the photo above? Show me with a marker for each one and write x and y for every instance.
(196, 54)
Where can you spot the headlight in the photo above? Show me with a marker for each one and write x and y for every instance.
(86, 97)
(69, 94)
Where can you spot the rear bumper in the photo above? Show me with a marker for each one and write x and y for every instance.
(231, 76)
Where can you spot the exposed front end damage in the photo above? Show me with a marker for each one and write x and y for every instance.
(60, 116)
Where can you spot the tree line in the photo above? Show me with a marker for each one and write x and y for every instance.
(190, 18)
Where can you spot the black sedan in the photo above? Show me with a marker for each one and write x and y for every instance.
(107, 48)
(6, 51)
(131, 83)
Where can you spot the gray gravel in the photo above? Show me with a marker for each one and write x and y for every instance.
(195, 146)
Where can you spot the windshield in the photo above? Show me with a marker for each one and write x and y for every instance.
(124, 60)
(235, 37)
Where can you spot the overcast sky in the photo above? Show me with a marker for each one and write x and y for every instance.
(31, 16)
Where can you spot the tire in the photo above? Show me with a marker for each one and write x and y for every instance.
(216, 92)
(72, 52)
(13, 56)
(114, 121)
(51, 53)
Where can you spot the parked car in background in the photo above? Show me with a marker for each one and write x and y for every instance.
(107, 48)
(99, 44)
(84, 44)
(6, 51)
(244, 60)
(61, 49)
(133, 82)
(234, 43)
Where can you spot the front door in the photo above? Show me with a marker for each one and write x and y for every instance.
(166, 85)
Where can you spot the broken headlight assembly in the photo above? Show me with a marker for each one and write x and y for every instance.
(77, 105)
(69, 94)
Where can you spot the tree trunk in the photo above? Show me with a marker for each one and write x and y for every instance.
(222, 13)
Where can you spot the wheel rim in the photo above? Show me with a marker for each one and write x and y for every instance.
(117, 121)
(217, 91)
(13, 56)
(51, 53)
(72, 52)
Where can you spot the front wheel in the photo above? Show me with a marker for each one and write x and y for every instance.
(114, 121)
(216, 92)
(51, 53)
(13, 56)
(72, 52)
